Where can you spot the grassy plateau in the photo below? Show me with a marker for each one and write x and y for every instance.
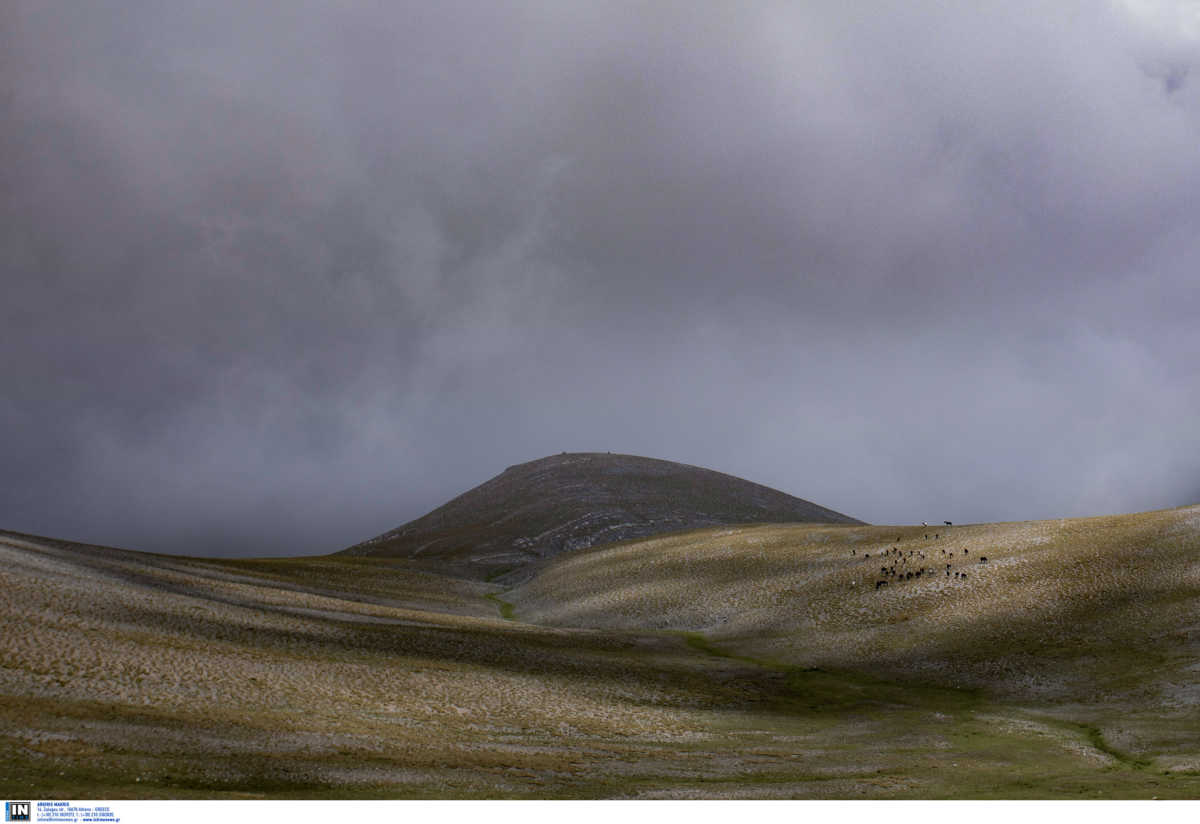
(756, 661)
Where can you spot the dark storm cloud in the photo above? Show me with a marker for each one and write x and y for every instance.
(280, 276)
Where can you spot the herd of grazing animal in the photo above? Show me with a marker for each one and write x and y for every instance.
(903, 565)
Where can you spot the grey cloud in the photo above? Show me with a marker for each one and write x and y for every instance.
(281, 276)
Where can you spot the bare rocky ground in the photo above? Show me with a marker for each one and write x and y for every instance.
(734, 662)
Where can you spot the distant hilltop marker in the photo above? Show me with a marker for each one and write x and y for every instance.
(575, 500)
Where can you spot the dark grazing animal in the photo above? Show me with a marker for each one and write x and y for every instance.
(947, 523)
(983, 559)
(879, 584)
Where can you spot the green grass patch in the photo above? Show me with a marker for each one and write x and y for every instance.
(813, 689)
(1096, 739)
(506, 609)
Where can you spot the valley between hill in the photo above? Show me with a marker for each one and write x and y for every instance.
(730, 662)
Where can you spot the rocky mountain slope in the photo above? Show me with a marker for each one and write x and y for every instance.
(539, 509)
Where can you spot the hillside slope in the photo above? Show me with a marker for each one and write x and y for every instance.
(1085, 609)
(730, 662)
(571, 501)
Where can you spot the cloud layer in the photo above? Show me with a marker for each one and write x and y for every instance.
(281, 276)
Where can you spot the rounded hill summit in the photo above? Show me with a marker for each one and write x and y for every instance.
(577, 500)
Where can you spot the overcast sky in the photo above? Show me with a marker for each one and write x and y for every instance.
(280, 276)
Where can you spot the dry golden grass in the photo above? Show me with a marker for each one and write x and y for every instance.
(670, 667)
(1059, 610)
(214, 663)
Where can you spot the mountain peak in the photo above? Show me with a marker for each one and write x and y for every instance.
(575, 500)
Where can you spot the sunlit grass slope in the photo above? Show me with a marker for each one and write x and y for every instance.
(125, 674)
(1079, 609)
(729, 663)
